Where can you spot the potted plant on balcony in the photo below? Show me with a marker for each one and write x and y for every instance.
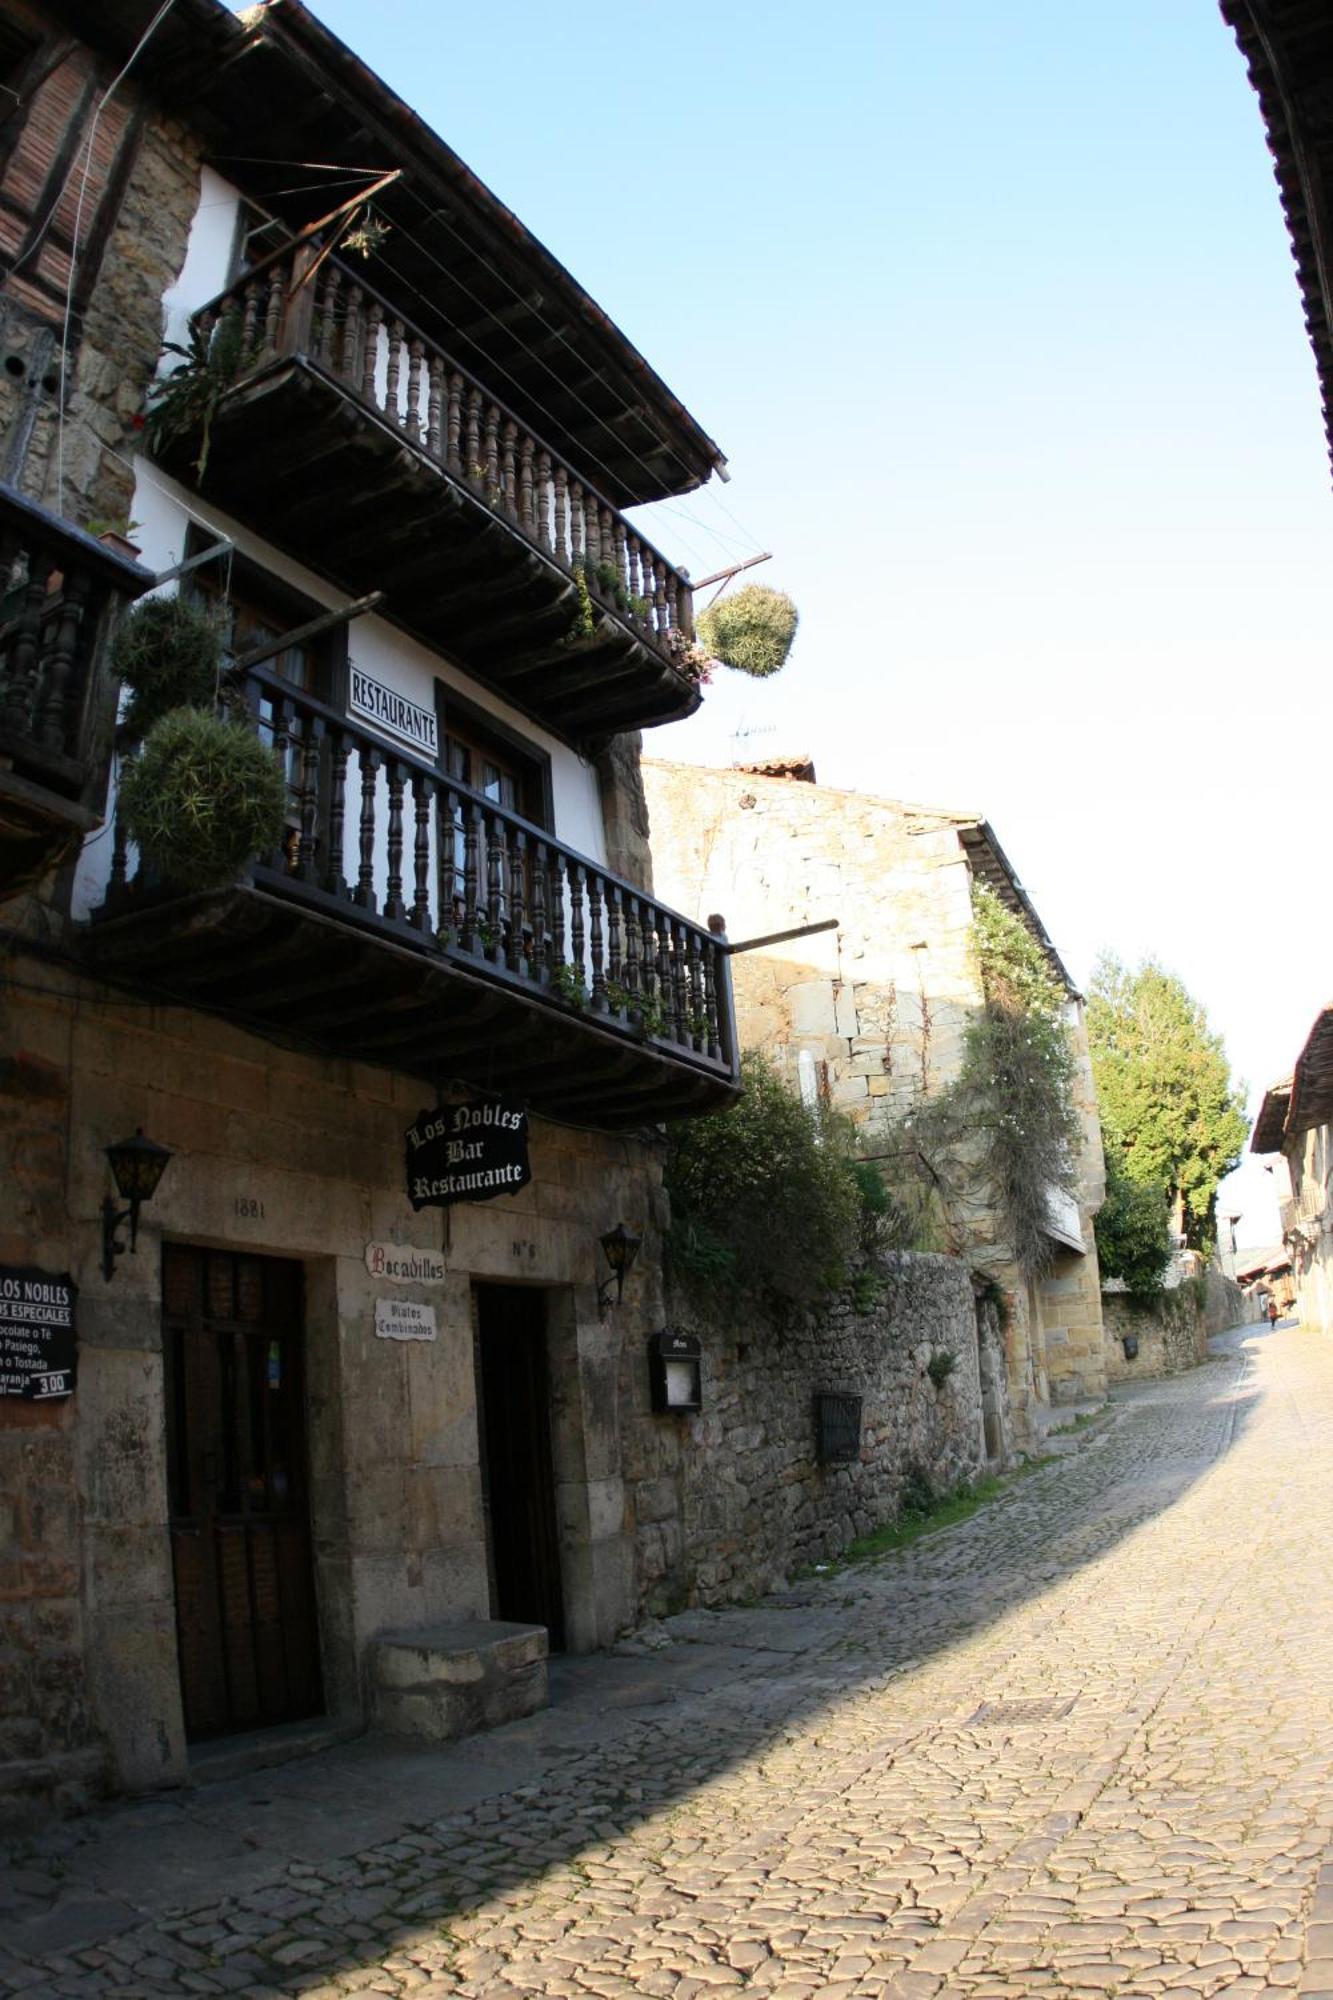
(183, 404)
(202, 798)
(168, 653)
(752, 631)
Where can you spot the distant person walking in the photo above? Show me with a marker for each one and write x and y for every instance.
(1272, 1312)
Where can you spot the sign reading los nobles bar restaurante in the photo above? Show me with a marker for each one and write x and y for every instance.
(467, 1152)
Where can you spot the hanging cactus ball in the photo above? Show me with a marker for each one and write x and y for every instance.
(202, 798)
(752, 631)
(167, 651)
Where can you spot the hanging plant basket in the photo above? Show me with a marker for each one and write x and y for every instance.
(203, 797)
(752, 631)
(168, 652)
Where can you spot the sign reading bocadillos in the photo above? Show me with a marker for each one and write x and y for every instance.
(37, 1333)
(467, 1152)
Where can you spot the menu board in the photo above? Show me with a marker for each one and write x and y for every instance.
(38, 1337)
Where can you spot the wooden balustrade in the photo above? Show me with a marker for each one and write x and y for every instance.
(54, 586)
(302, 302)
(391, 845)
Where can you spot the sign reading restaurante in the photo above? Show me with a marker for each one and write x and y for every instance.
(392, 711)
(37, 1333)
(467, 1152)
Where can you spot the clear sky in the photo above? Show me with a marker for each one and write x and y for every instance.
(993, 311)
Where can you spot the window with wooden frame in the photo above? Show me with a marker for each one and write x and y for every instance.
(257, 236)
(498, 765)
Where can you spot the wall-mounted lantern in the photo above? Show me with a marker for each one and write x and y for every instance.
(622, 1247)
(138, 1165)
(675, 1365)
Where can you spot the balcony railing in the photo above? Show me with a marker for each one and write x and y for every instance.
(392, 850)
(57, 587)
(303, 302)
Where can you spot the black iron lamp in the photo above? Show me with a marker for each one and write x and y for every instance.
(622, 1247)
(138, 1165)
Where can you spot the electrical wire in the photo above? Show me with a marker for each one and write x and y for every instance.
(496, 366)
(748, 542)
(437, 217)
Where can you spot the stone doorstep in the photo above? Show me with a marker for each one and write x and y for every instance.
(447, 1680)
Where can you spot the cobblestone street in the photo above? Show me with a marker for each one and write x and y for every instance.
(1080, 1744)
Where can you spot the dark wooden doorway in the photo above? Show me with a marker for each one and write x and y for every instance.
(517, 1458)
(236, 1468)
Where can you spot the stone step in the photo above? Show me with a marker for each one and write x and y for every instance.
(448, 1680)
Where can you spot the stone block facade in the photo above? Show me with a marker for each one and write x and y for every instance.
(873, 1017)
(279, 1153)
(729, 1502)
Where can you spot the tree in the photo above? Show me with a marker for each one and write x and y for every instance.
(1170, 1111)
(1133, 1229)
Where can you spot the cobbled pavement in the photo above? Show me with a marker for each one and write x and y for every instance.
(1081, 1744)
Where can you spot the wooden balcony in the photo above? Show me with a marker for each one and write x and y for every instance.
(409, 922)
(357, 444)
(59, 592)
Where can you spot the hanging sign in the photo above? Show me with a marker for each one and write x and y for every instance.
(467, 1152)
(37, 1333)
(404, 1319)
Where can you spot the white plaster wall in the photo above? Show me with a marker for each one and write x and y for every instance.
(164, 509)
(207, 254)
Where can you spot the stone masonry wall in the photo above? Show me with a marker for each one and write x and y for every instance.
(119, 341)
(278, 1153)
(874, 1015)
(1172, 1334)
(1227, 1304)
(732, 1500)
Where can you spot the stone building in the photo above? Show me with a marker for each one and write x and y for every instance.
(873, 1015)
(1295, 1125)
(258, 1463)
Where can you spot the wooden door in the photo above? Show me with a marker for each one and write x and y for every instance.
(236, 1468)
(517, 1458)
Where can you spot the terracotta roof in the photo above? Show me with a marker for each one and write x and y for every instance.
(1288, 47)
(800, 768)
(1271, 1122)
(1256, 1263)
(991, 865)
(1312, 1078)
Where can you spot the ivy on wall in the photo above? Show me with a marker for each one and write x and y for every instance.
(1004, 1134)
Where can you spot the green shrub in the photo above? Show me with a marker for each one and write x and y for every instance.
(752, 631)
(167, 652)
(941, 1366)
(764, 1196)
(203, 797)
(1133, 1230)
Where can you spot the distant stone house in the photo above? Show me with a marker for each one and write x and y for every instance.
(1295, 1124)
(874, 1015)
